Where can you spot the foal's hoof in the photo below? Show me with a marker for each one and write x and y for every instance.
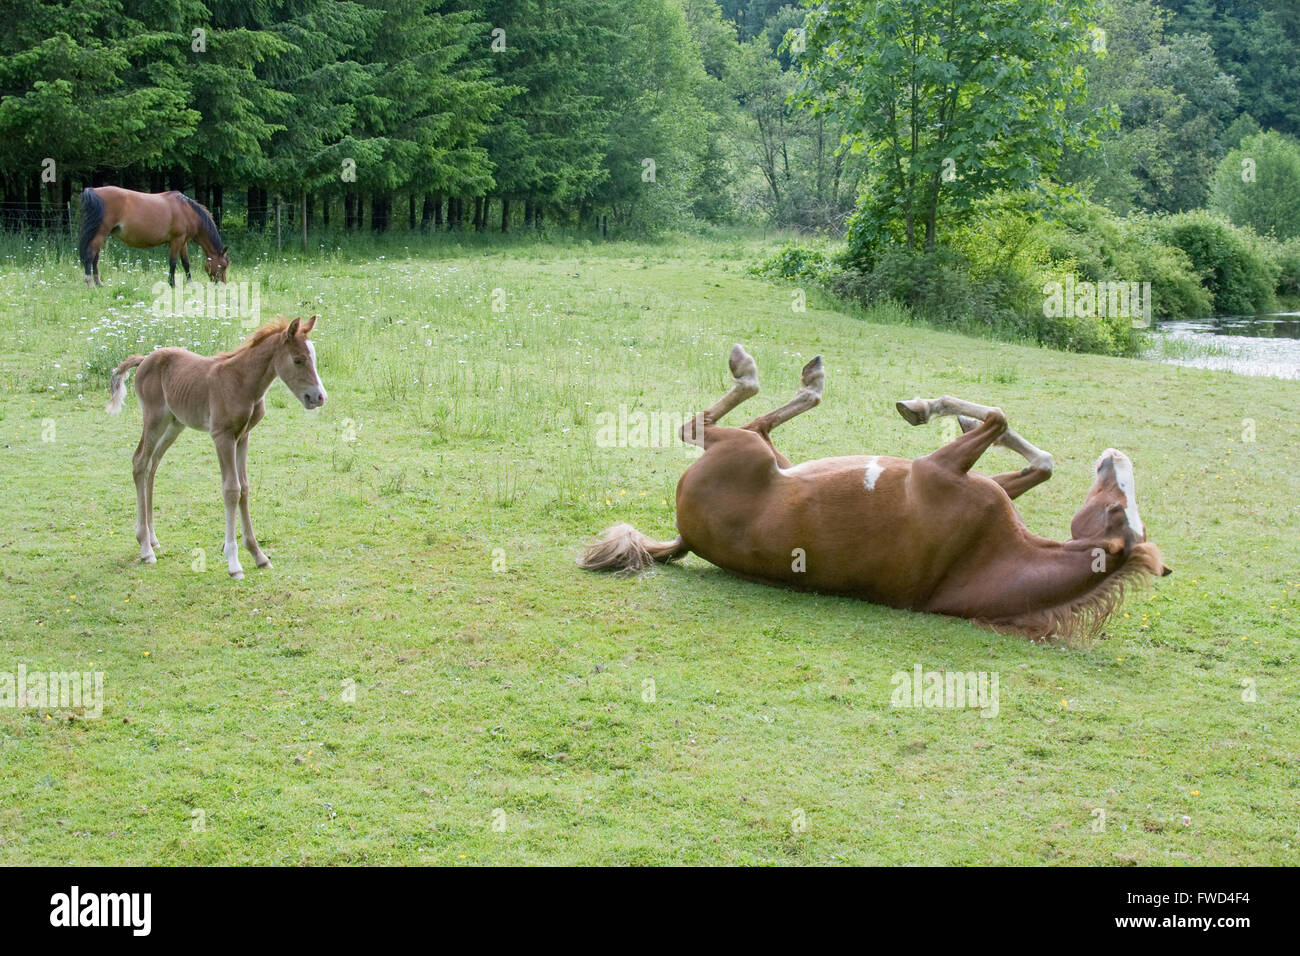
(264, 563)
(148, 559)
(237, 575)
(914, 412)
(966, 423)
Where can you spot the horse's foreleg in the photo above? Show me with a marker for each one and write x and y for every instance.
(250, 540)
(230, 491)
(961, 453)
(1039, 463)
(921, 410)
(744, 372)
(185, 261)
(808, 396)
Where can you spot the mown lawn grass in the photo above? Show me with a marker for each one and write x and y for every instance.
(511, 709)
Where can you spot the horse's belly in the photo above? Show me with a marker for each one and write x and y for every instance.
(822, 537)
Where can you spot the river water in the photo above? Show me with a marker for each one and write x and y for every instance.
(1264, 345)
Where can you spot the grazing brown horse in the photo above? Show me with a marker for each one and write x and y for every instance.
(925, 534)
(145, 220)
(223, 395)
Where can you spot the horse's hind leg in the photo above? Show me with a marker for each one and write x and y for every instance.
(744, 371)
(1040, 463)
(809, 396)
(169, 435)
(185, 261)
(90, 260)
(155, 427)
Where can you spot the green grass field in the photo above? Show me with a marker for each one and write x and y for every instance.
(509, 708)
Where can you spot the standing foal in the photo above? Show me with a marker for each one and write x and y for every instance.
(223, 395)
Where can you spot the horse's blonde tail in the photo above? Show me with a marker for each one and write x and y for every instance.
(623, 548)
(117, 384)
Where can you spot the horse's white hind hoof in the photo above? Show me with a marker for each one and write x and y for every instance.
(148, 559)
(237, 575)
(264, 564)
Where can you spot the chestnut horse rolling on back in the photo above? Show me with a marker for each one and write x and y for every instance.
(222, 395)
(925, 534)
(145, 220)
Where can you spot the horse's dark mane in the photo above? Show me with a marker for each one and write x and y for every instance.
(207, 225)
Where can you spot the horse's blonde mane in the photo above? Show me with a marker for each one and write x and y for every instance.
(1080, 619)
(261, 335)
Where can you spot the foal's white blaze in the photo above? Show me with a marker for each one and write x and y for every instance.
(873, 472)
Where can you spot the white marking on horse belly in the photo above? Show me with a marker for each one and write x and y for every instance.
(874, 471)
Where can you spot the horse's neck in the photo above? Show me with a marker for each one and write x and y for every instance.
(1049, 574)
(252, 370)
(201, 237)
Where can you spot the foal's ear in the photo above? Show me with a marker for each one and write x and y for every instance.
(292, 330)
(309, 325)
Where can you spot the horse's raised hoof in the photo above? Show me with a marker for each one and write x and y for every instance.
(915, 412)
(743, 367)
(812, 372)
(966, 423)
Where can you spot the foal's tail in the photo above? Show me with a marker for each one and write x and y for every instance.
(117, 384)
(623, 548)
(92, 217)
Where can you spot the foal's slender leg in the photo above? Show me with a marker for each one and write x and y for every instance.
(250, 540)
(169, 435)
(808, 396)
(230, 489)
(744, 371)
(155, 426)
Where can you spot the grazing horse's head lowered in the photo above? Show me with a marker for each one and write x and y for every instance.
(217, 264)
(927, 534)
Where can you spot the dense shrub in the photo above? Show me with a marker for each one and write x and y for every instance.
(796, 261)
(1287, 257)
(1235, 265)
(1092, 244)
(1009, 271)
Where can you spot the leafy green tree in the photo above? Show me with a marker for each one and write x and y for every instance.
(1256, 42)
(1258, 185)
(949, 101)
(1175, 106)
